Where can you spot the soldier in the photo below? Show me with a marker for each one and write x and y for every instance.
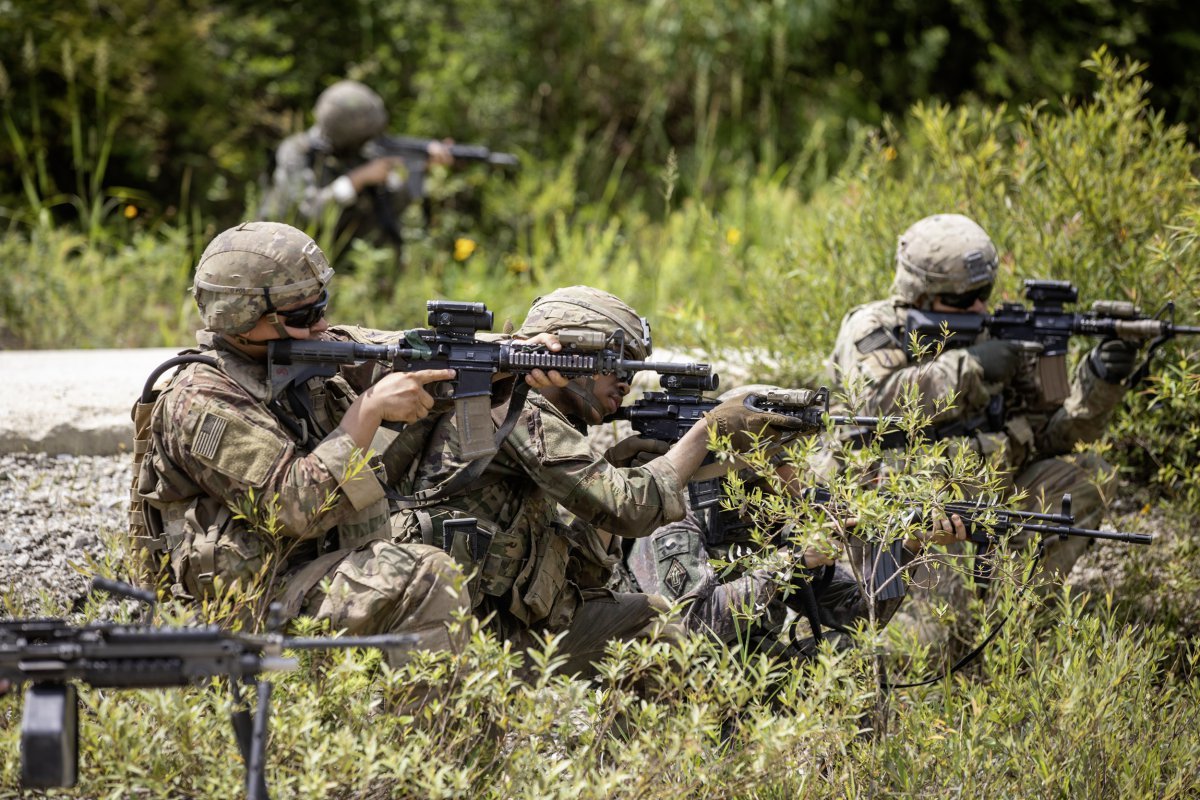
(538, 569)
(751, 607)
(324, 168)
(946, 263)
(239, 487)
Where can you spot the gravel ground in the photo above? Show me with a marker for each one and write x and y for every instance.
(56, 512)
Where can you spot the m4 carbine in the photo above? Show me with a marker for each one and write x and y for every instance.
(986, 525)
(450, 343)
(668, 415)
(52, 655)
(415, 153)
(1049, 325)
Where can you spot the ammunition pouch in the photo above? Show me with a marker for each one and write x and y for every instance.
(495, 555)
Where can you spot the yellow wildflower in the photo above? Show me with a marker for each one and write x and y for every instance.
(733, 236)
(131, 211)
(889, 153)
(463, 248)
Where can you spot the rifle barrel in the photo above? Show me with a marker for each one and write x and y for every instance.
(1116, 536)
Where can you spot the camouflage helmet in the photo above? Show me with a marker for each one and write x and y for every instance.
(943, 254)
(252, 269)
(585, 308)
(349, 114)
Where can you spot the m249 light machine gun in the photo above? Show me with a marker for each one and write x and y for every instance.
(450, 343)
(52, 656)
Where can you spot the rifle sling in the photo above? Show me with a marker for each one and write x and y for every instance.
(974, 654)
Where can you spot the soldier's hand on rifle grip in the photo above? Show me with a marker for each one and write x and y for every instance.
(374, 172)
(440, 152)
(401, 396)
(1114, 360)
(943, 532)
(998, 358)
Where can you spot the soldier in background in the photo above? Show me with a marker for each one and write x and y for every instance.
(324, 170)
(946, 263)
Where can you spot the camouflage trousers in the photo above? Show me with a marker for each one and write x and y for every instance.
(751, 609)
(601, 616)
(1089, 480)
(385, 587)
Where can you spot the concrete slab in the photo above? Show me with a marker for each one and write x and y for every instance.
(72, 401)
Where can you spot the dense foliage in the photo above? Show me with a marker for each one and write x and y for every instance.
(179, 103)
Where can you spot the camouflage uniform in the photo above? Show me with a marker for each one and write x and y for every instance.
(1034, 449)
(541, 569)
(748, 607)
(220, 443)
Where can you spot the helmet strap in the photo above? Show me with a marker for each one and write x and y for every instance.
(271, 317)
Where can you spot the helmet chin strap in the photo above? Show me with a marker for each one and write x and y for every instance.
(581, 389)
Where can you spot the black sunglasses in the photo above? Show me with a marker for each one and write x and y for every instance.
(966, 299)
(306, 316)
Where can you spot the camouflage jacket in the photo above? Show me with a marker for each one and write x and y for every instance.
(223, 448)
(302, 186)
(539, 558)
(871, 350)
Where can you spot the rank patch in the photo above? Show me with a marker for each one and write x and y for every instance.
(676, 577)
(212, 428)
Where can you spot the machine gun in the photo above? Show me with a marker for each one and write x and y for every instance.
(52, 655)
(1049, 325)
(450, 343)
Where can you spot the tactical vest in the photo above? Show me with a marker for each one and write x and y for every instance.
(179, 534)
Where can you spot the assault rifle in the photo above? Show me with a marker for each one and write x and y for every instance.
(415, 153)
(985, 525)
(450, 343)
(1049, 325)
(669, 414)
(51, 655)
(415, 149)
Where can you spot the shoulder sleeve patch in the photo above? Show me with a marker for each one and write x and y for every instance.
(236, 447)
(877, 339)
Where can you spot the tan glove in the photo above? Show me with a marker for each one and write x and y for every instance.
(634, 451)
(744, 424)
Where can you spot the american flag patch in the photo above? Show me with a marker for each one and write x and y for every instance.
(208, 439)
